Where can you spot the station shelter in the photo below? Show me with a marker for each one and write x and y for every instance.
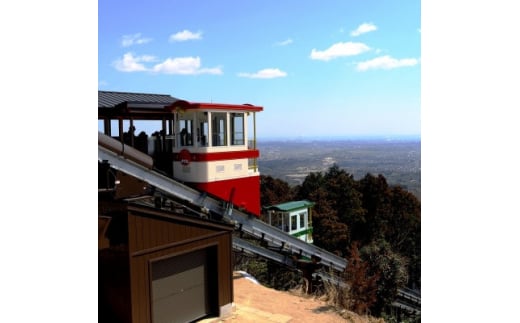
(293, 217)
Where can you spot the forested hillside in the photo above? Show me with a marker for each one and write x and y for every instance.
(377, 227)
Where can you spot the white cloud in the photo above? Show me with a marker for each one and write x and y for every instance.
(129, 63)
(184, 66)
(178, 65)
(285, 42)
(185, 35)
(339, 50)
(135, 39)
(386, 62)
(267, 73)
(363, 28)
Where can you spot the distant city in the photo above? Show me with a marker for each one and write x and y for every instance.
(398, 159)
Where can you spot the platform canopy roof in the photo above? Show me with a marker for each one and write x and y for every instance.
(110, 99)
(153, 106)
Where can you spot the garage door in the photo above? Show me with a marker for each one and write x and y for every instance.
(180, 288)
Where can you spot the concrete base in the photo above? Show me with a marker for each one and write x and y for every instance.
(227, 310)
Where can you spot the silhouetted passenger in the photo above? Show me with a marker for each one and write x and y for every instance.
(184, 137)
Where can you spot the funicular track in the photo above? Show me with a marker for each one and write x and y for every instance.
(242, 220)
(285, 244)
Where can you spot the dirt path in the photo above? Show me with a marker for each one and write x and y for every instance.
(256, 303)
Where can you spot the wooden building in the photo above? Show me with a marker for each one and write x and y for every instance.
(159, 266)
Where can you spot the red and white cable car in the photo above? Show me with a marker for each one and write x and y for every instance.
(204, 145)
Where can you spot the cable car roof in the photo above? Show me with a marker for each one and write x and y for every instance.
(290, 206)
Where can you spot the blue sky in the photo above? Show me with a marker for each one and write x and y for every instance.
(55, 59)
(319, 68)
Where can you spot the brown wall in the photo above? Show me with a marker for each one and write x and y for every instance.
(154, 234)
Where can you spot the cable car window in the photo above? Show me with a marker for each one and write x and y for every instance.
(219, 131)
(237, 129)
(202, 131)
(302, 219)
(186, 132)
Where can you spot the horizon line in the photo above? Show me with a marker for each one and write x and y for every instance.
(345, 137)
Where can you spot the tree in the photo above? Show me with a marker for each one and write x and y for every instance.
(405, 231)
(274, 191)
(362, 288)
(311, 184)
(345, 198)
(328, 231)
(338, 205)
(377, 203)
(389, 267)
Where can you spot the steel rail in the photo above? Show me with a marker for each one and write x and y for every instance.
(244, 221)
